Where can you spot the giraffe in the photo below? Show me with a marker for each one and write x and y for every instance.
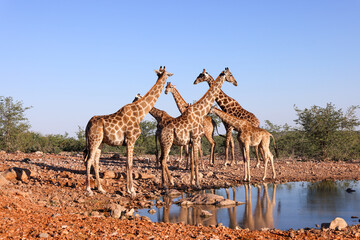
(119, 128)
(162, 119)
(189, 128)
(249, 135)
(231, 106)
(209, 123)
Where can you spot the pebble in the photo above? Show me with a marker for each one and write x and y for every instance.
(43, 235)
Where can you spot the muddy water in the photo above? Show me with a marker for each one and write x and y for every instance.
(283, 206)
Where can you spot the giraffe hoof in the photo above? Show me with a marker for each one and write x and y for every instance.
(89, 193)
(101, 190)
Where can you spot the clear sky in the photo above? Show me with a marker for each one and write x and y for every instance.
(71, 60)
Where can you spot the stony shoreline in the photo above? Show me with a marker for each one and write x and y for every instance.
(46, 197)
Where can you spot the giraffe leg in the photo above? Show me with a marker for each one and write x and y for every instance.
(97, 168)
(247, 151)
(227, 142)
(89, 160)
(266, 159)
(241, 148)
(187, 156)
(209, 137)
(192, 170)
(165, 149)
(156, 149)
(245, 148)
(181, 151)
(272, 164)
(233, 161)
(129, 168)
(196, 161)
(201, 158)
(259, 149)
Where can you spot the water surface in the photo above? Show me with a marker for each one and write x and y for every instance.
(283, 206)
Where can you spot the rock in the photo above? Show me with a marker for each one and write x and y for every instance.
(137, 217)
(350, 190)
(146, 176)
(152, 211)
(2, 152)
(26, 160)
(325, 226)
(207, 199)
(95, 214)
(17, 173)
(115, 156)
(130, 213)
(226, 202)
(43, 235)
(145, 218)
(204, 199)
(173, 193)
(39, 153)
(136, 175)
(23, 176)
(205, 214)
(338, 223)
(10, 174)
(109, 174)
(3, 180)
(116, 210)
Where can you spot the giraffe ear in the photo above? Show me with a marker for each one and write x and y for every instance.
(169, 74)
(203, 71)
(157, 72)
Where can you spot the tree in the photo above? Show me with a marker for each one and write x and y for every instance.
(327, 128)
(12, 122)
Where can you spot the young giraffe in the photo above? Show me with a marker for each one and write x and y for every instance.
(121, 127)
(162, 119)
(249, 135)
(209, 123)
(189, 127)
(231, 106)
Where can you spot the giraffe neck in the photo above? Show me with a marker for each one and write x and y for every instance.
(158, 114)
(147, 102)
(204, 104)
(224, 101)
(229, 119)
(180, 102)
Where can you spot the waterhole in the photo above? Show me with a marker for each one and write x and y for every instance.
(293, 205)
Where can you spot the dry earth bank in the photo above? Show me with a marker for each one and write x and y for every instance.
(43, 195)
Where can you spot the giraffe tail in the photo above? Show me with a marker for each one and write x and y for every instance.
(276, 149)
(214, 127)
(86, 150)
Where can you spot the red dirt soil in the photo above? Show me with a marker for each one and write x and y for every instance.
(50, 201)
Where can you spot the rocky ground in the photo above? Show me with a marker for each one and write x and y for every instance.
(43, 196)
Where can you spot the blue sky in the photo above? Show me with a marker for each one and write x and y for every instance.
(71, 60)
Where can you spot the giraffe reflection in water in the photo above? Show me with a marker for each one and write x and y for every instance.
(263, 214)
(257, 217)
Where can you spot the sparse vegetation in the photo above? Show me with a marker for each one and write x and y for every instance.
(324, 133)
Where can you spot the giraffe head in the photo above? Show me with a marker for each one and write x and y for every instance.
(169, 87)
(137, 97)
(228, 76)
(204, 77)
(162, 71)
